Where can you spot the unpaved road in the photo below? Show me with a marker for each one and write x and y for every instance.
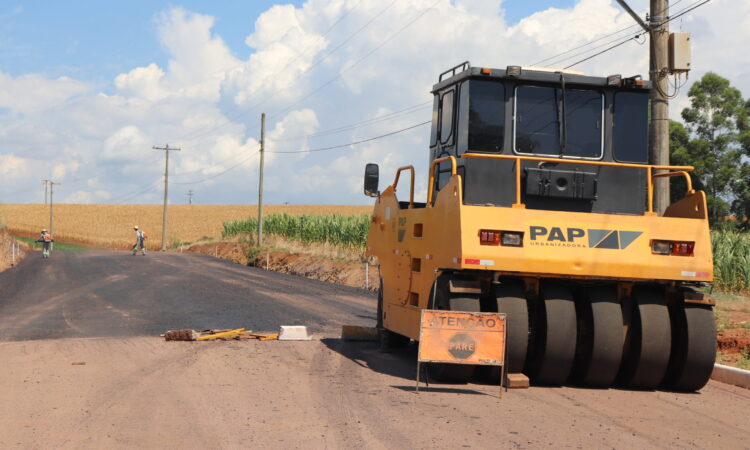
(106, 309)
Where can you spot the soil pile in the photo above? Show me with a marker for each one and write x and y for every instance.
(7, 255)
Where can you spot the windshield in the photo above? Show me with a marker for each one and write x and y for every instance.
(539, 125)
(631, 127)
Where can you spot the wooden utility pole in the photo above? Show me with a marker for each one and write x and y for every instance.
(51, 209)
(658, 138)
(166, 149)
(260, 182)
(658, 73)
(45, 182)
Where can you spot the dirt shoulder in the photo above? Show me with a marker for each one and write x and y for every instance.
(11, 250)
(317, 264)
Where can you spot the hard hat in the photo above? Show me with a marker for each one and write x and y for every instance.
(44, 230)
(135, 227)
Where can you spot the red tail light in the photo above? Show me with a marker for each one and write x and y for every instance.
(672, 248)
(489, 237)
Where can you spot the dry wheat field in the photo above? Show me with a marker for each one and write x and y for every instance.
(111, 226)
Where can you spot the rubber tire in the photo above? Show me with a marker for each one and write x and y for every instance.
(649, 340)
(554, 331)
(388, 340)
(693, 349)
(511, 300)
(456, 373)
(601, 340)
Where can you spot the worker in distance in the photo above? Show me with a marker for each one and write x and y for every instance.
(46, 240)
(140, 237)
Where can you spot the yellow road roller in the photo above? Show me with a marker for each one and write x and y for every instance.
(539, 205)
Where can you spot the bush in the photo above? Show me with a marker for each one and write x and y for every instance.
(345, 231)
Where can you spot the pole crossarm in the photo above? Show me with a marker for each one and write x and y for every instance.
(633, 14)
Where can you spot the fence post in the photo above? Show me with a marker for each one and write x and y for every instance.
(367, 275)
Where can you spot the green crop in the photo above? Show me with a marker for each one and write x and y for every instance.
(731, 260)
(337, 229)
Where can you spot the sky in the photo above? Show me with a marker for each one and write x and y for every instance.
(87, 88)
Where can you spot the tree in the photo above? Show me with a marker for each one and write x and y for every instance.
(718, 120)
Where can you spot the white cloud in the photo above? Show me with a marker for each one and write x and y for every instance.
(309, 77)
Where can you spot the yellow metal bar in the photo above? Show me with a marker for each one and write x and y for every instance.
(575, 161)
(224, 334)
(650, 189)
(674, 174)
(431, 186)
(411, 191)
(518, 181)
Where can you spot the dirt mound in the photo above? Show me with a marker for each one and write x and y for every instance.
(348, 273)
(340, 272)
(230, 251)
(7, 255)
(734, 340)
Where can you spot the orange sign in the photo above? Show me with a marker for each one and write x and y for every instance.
(462, 337)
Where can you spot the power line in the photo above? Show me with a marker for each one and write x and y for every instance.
(371, 121)
(308, 69)
(220, 173)
(679, 14)
(353, 143)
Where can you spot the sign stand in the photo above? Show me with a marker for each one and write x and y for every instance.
(459, 337)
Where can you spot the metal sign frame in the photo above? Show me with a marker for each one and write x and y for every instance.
(468, 316)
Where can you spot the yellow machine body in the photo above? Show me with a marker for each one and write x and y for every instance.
(413, 245)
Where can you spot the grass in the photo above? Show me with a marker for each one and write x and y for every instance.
(731, 260)
(31, 242)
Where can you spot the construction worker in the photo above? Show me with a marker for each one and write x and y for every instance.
(140, 237)
(46, 240)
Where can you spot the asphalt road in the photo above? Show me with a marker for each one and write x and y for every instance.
(116, 294)
(82, 366)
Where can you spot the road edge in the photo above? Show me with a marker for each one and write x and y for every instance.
(731, 375)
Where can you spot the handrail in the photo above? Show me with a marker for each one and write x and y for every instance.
(674, 174)
(431, 184)
(680, 170)
(411, 191)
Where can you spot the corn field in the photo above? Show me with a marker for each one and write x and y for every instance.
(731, 260)
(337, 229)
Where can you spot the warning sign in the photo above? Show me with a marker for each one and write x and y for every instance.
(462, 337)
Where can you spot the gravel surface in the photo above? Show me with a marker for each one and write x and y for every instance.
(82, 366)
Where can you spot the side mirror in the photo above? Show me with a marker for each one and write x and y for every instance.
(372, 179)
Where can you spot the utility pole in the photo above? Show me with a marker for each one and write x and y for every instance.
(45, 182)
(658, 137)
(166, 149)
(260, 183)
(51, 210)
(190, 197)
(658, 73)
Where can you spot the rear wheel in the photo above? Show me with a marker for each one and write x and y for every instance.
(694, 347)
(649, 340)
(455, 373)
(387, 338)
(554, 335)
(600, 338)
(511, 300)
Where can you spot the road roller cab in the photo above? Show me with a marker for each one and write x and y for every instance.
(539, 205)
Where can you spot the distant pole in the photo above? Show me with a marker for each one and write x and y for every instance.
(190, 197)
(51, 210)
(658, 72)
(166, 149)
(260, 183)
(45, 182)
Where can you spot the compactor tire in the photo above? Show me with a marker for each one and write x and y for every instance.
(649, 342)
(694, 347)
(456, 373)
(602, 338)
(511, 300)
(554, 330)
(388, 339)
